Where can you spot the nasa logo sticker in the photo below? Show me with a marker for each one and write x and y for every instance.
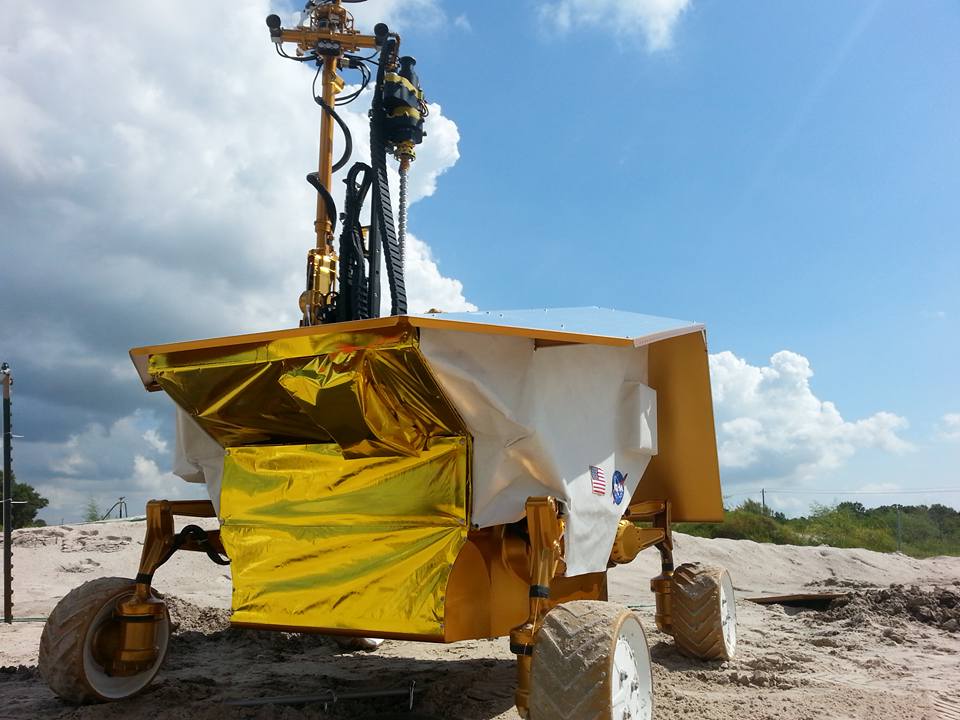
(618, 485)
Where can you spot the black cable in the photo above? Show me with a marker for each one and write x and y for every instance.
(281, 53)
(314, 179)
(316, 77)
(368, 58)
(347, 137)
(363, 86)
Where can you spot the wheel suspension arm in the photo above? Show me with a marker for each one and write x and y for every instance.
(658, 511)
(545, 529)
(139, 614)
(161, 542)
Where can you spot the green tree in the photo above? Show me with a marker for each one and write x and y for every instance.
(852, 507)
(751, 506)
(941, 516)
(91, 513)
(27, 503)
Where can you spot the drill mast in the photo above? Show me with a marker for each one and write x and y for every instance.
(346, 285)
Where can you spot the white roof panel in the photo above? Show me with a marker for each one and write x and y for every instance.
(584, 321)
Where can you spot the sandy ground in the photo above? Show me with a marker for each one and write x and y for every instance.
(884, 654)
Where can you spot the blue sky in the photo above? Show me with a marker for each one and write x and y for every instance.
(787, 173)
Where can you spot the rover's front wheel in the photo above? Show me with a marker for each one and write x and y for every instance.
(77, 638)
(590, 660)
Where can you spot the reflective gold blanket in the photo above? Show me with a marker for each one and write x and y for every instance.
(361, 544)
(345, 495)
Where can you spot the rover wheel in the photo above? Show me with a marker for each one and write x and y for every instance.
(591, 662)
(68, 660)
(704, 612)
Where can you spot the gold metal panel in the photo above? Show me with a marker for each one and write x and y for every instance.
(685, 471)
(486, 597)
(370, 392)
(362, 545)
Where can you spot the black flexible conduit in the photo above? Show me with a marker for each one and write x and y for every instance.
(382, 209)
(314, 179)
(347, 138)
(352, 302)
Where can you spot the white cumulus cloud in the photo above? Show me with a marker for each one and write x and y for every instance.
(427, 287)
(399, 14)
(101, 463)
(654, 20)
(949, 427)
(771, 425)
(152, 189)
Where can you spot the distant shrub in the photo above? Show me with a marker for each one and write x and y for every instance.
(924, 531)
(747, 522)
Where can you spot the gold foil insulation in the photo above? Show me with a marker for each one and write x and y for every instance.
(362, 544)
(345, 495)
(369, 392)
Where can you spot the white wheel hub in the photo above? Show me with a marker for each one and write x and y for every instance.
(728, 614)
(632, 682)
(116, 688)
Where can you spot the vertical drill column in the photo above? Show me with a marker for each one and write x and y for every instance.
(7, 379)
(331, 85)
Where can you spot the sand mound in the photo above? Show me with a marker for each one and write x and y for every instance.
(92, 538)
(885, 651)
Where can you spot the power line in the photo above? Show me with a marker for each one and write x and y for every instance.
(843, 492)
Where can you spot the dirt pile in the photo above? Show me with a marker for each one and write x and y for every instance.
(187, 617)
(938, 607)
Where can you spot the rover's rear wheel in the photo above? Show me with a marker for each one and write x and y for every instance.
(591, 662)
(704, 612)
(68, 656)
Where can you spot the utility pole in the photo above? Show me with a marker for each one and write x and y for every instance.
(763, 500)
(899, 529)
(7, 380)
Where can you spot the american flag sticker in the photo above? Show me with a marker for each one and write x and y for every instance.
(598, 481)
